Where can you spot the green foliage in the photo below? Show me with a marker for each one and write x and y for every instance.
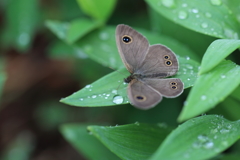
(203, 34)
(22, 19)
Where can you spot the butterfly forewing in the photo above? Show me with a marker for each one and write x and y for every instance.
(132, 47)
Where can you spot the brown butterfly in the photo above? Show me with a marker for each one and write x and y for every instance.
(148, 65)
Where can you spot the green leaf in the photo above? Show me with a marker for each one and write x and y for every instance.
(134, 141)
(22, 17)
(2, 81)
(89, 146)
(100, 46)
(110, 90)
(195, 41)
(99, 10)
(216, 52)
(70, 32)
(210, 17)
(199, 138)
(210, 89)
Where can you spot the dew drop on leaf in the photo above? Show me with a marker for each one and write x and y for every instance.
(216, 2)
(88, 86)
(118, 99)
(203, 97)
(182, 15)
(194, 10)
(104, 36)
(204, 25)
(208, 15)
(114, 91)
(169, 3)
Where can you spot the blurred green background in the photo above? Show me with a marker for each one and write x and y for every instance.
(40, 66)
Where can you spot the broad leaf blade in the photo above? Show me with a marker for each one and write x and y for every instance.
(216, 52)
(208, 17)
(100, 10)
(135, 141)
(110, 90)
(89, 146)
(22, 17)
(210, 89)
(70, 32)
(199, 138)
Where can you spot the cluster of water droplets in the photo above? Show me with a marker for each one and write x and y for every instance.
(215, 140)
(113, 94)
(189, 70)
(184, 11)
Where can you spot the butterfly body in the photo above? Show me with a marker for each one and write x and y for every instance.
(148, 66)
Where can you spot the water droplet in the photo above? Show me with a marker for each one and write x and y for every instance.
(94, 96)
(194, 10)
(188, 79)
(189, 66)
(204, 25)
(229, 126)
(162, 125)
(216, 2)
(184, 5)
(114, 91)
(223, 76)
(90, 89)
(197, 15)
(196, 145)
(208, 15)
(87, 48)
(169, 3)
(185, 103)
(224, 131)
(202, 138)
(230, 33)
(81, 99)
(118, 99)
(187, 58)
(215, 130)
(208, 145)
(104, 36)
(182, 15)
(137, 123)
(107, 95)
(24, 39)
(225, 143)
(203, 97)
(88, 86)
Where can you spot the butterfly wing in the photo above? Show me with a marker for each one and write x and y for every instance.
(159, 62)
(132, 47)
(143, 96)
(170, 87)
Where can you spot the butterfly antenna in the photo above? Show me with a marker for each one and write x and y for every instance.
(121, 74)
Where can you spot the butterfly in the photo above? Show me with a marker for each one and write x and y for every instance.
(149, 65)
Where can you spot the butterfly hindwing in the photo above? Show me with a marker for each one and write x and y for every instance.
(170, 87)
(160, 60)
(142, 95)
